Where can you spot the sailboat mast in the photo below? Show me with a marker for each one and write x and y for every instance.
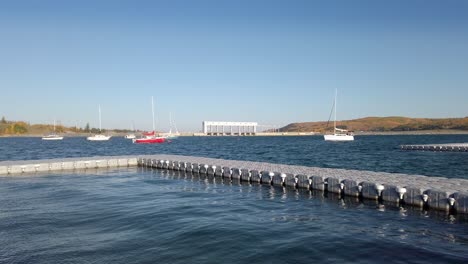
(99, 106)
(336, 94)
(170, 122)
(54, 125)
(152, 111)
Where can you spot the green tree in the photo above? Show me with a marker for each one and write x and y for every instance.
(87, 127)
(3, 120)
(19, 129)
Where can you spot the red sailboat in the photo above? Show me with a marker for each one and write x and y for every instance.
(149, 134)
(150, 137)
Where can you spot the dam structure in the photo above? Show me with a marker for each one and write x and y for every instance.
(439, 193)
(214, 128)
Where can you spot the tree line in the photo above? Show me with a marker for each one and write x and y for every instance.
(8, 127)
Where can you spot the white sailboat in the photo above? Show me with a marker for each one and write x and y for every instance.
(172, 135)
(99, 137)
(53, 136)
(131, 135)
(338, 134)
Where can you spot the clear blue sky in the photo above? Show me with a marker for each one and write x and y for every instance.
(274, 62)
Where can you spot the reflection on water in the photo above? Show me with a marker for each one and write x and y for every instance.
(142, 215)
(209, 183)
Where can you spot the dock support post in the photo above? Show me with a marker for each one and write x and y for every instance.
(236, 173)
(438, 199)
(461, 202)
(290, 180)
(317, 183)
(255, 176)
(245, 175)
(414, 196)
(371, 190)
(391, 194)
(334, 185)
(303, 181)
(351, 188)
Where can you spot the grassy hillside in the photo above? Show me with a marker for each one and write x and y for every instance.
(382, 124)
(18, 128)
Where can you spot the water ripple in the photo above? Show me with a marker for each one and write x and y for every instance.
(375, 153)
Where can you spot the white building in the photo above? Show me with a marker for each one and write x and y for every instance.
(229, 128)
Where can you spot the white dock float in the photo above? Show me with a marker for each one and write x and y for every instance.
(452, 147)
(432, 192)
(31, 166)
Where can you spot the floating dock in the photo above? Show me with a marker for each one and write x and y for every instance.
(449, 194)
(454, 147)
(28, 166)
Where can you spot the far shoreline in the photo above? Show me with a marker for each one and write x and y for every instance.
(260, 134)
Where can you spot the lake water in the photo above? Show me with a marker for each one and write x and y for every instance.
(375, 153)
(140, 215)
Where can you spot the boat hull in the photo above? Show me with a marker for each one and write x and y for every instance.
(170, 136)
(338, 137)
(52, 138)
(149, 140)
(131, 136)
(98, 138)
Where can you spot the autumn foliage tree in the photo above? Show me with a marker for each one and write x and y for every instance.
(16, 128)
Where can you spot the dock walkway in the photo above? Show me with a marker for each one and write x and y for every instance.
(454, 147)
(433, 192)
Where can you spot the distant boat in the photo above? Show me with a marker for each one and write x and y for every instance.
(338, 134)
(149, 137)
(132, 135)
(99, 137)
(52, 136)
(172, 135)
(149, 140)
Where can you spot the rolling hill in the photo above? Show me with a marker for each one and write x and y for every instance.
(382, 124)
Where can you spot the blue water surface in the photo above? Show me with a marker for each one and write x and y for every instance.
(375, 153)
(140, 215)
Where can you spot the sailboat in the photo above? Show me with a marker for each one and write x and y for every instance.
(149, 137)
(338, 134)
(171, 135)
(131, 135)
(52, 136)
(99, 137)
